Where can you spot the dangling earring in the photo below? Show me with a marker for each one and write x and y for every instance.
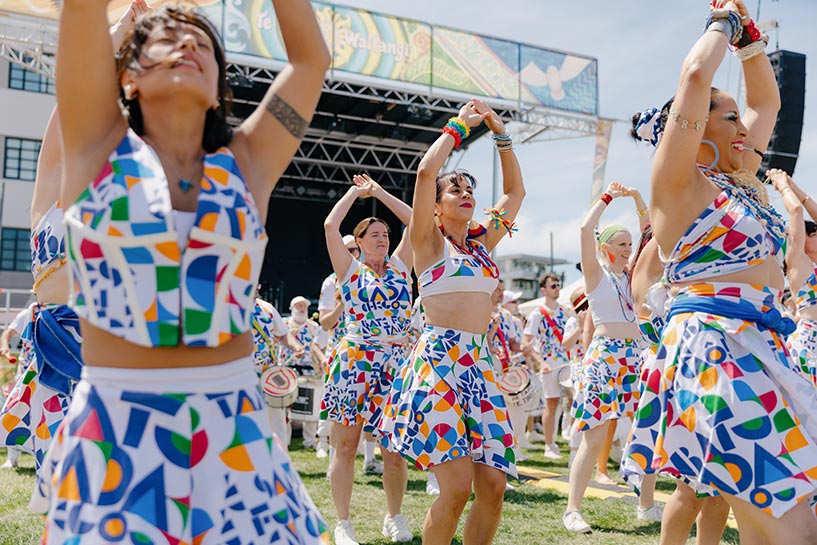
(437, 221)
(216, 105)
(130, 91)
(717, 153)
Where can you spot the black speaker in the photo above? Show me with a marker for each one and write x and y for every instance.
(790, 72)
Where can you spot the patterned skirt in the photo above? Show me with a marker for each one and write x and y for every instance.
(803, 348)
(172, 456)
(724, 407)
(608, 383)
(359, 380)
(33, 411)
(446, 404)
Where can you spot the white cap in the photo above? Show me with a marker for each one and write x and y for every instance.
(349, 240)
(509, 296)
(298, 299)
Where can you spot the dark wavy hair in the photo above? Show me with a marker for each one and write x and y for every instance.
(714, 98)
(217, 132)
(454, 177)
(811, 227)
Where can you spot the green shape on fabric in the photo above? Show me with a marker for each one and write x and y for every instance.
(105, 448)
(183, 509)
(168, 334)
(783, 420)
(167, 278)
(710, 256)
(116, 168)
(196, 321)
(194, 419)
(140, 538)
(713, 403)
(120, 210)
(181, 443)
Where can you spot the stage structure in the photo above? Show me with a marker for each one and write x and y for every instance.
(392, 84)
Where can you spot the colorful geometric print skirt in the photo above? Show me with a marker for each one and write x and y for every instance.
(359, 381)
(33, 411)
(608, 384)
(803, 348)
(446, 404)
(169, 456)
(725, 408)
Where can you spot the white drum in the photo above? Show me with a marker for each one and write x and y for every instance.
(520, 388)
(307, 406)
(280, 387)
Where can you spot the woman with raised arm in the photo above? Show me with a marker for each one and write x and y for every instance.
(40, 399)
(608, 382)
(801, 270)
(167, 438)
(447, 413)
(376, 294)
(724, 406)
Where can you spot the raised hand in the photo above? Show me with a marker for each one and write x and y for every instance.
(615, 190)
(125, 23)
(364, 180)
(470, 115)
(492, 119)
(780, 179)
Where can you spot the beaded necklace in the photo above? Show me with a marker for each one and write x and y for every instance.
(624, 293)
(475, 250)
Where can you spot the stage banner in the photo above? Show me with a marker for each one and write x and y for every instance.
(474, 64)
(604, 129)
(47, 8)
(558, 80)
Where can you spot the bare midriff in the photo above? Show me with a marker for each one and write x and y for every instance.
(618, 330)
(465, 311)
(767, 273)
(102, 349)
(54, 289)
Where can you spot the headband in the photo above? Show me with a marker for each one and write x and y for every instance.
(608, 232)
(648, 127)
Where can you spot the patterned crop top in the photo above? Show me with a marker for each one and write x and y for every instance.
(470, 269)
(377, 308)
(47, 241)
(733, 234)
(807, 294)
(129, 275)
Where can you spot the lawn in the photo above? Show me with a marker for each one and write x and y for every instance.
(532, 512)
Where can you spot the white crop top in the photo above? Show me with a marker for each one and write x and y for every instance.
(460, 272)
(612, 300)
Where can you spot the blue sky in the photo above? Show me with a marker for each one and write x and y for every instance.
(640, 46)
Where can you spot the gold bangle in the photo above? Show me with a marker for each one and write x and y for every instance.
(642, 213)
(685, 123)
(40, 279)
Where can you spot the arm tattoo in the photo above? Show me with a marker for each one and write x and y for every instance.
(287, 116)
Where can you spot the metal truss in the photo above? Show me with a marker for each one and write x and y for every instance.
(540, 125)
(29, 42)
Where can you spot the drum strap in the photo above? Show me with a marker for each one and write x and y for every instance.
(557, 331)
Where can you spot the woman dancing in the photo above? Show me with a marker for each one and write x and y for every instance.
(724, 406)
(376, 293)
(40, 399)
(608, 383)
(167, 438)
(447, 413)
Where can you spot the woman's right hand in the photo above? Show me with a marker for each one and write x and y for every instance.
(470, 115)
(616, 190)
(780, 179)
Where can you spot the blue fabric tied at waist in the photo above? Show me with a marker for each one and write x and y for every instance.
(58, 353)
(771, 319)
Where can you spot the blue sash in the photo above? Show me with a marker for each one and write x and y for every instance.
(771, 319)
(58, 353)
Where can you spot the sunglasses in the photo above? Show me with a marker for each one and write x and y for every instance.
(554, 286)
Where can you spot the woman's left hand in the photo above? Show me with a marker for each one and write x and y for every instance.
(492, 119)
(366, 182)
(780, 179)
(623, 190)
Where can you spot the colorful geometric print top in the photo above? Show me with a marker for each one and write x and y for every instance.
(733, 234)
(507, 331)
(267, 324)
(47, 241)
(377, 307)
(306, 334)
(545, 340)
(470, 269)
(807, 294)
(131, 278)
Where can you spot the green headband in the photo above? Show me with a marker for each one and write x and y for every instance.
(609, 231)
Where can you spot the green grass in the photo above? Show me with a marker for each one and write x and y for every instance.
(531, 515)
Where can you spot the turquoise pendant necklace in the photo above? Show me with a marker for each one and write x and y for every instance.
(185, 185)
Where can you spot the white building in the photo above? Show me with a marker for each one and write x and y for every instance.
(26, 101)
(521, 272)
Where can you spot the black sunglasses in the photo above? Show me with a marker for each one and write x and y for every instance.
(554, 286)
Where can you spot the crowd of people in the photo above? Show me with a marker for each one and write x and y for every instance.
(157, 391)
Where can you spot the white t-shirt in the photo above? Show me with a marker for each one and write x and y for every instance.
(18, 324)
(326, 301)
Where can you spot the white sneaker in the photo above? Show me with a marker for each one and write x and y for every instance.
(651, 514)
(396, 528)
(534, 437)
(322, 451)
(524, 443)
(509, 486)
(432, 488)
(552, 452)
(573, 522)
(520, 456)
(8, 464)
(345, 534)
(373, 467)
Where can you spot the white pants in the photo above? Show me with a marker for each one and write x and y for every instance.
(279, 420)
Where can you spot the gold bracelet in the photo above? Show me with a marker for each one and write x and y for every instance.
(642, 213)
(805, 200)
(40, 279)
(685, 123)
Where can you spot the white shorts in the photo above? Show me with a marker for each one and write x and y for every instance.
(550, 384)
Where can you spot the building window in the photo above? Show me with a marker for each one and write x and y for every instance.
(15, 252)
(20, 161)
(26, 80)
